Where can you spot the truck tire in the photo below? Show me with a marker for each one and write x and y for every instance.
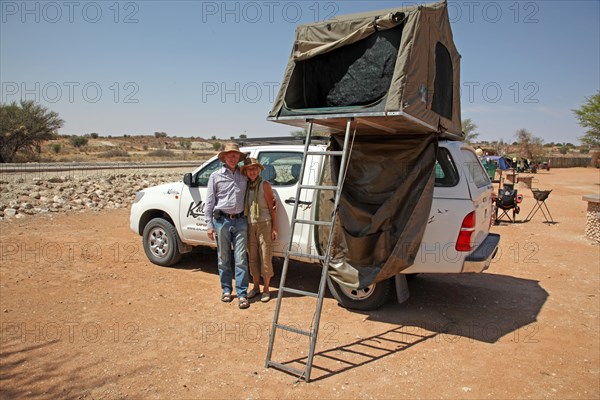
(160, 242)
(370, 298)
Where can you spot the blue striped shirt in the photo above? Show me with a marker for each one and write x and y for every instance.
(225, 192)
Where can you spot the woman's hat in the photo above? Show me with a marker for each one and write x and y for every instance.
(251, 162)
(231, 147)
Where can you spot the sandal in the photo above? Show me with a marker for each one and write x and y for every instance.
(253, 293)
(226, 298)
(243, 303)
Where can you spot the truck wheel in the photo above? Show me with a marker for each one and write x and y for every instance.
(369, 298)
(160, 242)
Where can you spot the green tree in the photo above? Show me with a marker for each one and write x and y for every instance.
(23, 127)
(243, 136)
(588, 117)
(94, 135)
(299, 133)
(469, 128)
(563, 149)
(160, 134)
(216, 146)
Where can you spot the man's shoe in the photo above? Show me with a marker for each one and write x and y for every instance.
(243, 303)
(226, 297)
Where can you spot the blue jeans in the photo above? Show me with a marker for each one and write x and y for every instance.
(234, 231)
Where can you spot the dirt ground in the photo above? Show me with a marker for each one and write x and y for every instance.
(84, 314)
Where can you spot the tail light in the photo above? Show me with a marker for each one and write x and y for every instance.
(463, 243)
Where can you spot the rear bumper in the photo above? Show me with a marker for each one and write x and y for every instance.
(479, 260)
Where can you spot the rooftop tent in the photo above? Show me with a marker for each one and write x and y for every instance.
(394, 75)
(396, 70)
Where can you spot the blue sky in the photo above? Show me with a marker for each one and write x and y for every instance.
(204, 68)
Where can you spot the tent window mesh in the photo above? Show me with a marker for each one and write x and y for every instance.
(444, 82)
(358, 74)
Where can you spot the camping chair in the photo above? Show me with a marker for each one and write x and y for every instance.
(540, 197)
(508, 200)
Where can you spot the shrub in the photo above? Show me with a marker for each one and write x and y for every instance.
(216, 146)
(114, 153)
(56, 148)
(78, 141)
(94, 135)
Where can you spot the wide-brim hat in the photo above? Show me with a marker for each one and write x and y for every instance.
(231, 147)
(251, 162)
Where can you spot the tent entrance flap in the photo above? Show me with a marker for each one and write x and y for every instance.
(384, 207)
(355, 75)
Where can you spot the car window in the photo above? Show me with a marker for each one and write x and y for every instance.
(281, 168)
(476, 171)
(446, 174)
(204, 173)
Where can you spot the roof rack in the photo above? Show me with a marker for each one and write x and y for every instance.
(282, 140)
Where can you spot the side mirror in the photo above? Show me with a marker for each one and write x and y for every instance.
(188, 180)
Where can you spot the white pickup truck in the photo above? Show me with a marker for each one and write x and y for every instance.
(170, 217)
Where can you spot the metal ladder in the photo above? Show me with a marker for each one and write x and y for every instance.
(312, 332)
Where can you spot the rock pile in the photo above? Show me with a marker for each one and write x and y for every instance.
(21, 196)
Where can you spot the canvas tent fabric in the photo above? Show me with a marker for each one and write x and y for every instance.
(398, 69)
(384, 207)
(501, 161)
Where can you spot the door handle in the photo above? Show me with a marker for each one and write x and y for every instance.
(292, 200)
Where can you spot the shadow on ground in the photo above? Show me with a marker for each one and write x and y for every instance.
(444, 308)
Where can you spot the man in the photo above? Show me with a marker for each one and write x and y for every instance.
(225, 220)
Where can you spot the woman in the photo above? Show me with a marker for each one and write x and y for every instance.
(261, 210)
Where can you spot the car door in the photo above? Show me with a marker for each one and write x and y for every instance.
(192, 204)
(282, 170)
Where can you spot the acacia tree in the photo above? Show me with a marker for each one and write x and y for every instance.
(23, 127)
(469, 128)
(299, 133)
(530, 147)
(589, 117)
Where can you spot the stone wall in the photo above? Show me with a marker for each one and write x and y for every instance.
(592, 225)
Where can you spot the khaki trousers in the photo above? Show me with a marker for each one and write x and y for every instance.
(260, 249)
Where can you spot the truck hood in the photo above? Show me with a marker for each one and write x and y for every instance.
(167, 189)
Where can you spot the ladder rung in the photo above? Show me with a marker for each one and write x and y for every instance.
(300, 292)
(319, 187)
(325, 153)
(305, 255)
(293, 330)
(293, 370)
(320, 223)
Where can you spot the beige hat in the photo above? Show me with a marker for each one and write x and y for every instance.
(251, 162)
(231, 147)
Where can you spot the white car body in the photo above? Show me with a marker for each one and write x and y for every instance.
(468, 190)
